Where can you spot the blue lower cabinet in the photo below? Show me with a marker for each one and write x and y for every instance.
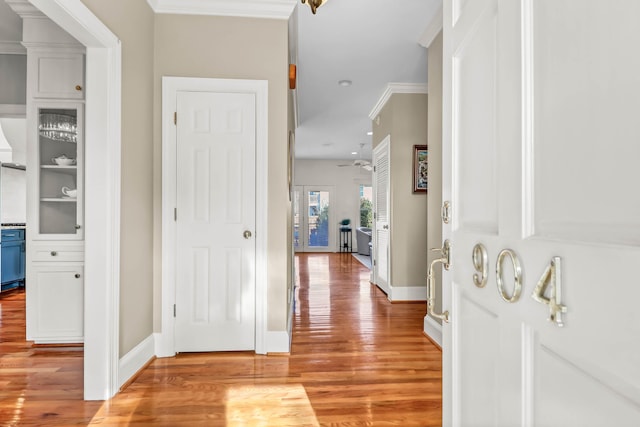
(12, 258)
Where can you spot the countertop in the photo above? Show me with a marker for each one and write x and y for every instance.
(13, 225)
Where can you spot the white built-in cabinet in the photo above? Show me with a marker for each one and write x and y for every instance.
(60, 74)
(55, 225)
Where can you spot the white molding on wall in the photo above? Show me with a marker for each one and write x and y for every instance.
(393, 88)
(24, 9)
(407, 293)
(135, 359)
(54, 47)
(275, 9)
(433, 329)
(433, 29)
(12, 48)
(14, 111)
(278, 342)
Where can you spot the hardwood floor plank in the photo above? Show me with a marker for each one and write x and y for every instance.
(356, 360)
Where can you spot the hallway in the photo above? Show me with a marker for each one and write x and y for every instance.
(356, 359)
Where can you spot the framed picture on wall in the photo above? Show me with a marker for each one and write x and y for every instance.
(420, 175)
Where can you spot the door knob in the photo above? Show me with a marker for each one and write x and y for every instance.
(246, 234)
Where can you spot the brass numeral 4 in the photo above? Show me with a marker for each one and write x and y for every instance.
(551, 283)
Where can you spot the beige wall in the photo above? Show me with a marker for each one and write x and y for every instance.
(239, 48)
(434, 118)
(404, 118)
(132, 22)
(189, 46)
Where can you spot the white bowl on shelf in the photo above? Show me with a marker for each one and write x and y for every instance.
(63, 161)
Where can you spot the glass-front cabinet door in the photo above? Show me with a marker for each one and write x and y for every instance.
(60, 167)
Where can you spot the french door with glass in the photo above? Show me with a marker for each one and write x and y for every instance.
(313, 219)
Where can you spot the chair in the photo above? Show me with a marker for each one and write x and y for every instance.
(363, 238)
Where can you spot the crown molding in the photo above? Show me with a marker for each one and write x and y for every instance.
(12, 48)
(274, 9)
(432, 30)
(24, 9)
(393, 88)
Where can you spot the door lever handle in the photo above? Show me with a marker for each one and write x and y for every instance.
(445, 259)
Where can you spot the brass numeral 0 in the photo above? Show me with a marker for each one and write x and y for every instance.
(517, 279)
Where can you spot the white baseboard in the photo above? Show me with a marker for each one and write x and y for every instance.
(433, 329)
(278, 342)
(407, 293)
(135, 359)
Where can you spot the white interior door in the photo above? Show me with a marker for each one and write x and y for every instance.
(541, 101)
(215, 268)
(381, 199)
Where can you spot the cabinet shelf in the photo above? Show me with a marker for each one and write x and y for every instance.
(71, 170)
(58, 199)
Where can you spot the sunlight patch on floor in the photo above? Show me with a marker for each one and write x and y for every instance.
(269, 405)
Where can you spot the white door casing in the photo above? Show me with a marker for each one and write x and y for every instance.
(215, 268)
(171, 86)
(102, 195)
(539, 157)
(381, 208)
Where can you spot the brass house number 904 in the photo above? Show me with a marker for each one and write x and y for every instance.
(550, 283)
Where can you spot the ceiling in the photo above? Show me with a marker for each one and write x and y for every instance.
(370, 42)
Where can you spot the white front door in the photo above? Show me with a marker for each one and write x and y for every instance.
(381, 203)
(540, 163)
(215, 268)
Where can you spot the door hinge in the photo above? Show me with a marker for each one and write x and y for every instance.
(175, 118)
(175, 214)
(374, 262)
(174, 310)
(374, 215)
(375, 169)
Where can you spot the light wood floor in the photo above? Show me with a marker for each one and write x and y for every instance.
(356, 360)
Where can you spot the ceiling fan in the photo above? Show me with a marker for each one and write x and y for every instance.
(364, 164)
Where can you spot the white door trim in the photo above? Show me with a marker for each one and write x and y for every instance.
(102, 195)
(170, 87)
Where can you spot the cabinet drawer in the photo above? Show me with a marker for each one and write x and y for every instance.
(12, 235)
(58, 253)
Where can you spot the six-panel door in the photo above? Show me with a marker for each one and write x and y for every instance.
(540, 166)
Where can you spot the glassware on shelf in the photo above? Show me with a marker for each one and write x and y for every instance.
(58, 127)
